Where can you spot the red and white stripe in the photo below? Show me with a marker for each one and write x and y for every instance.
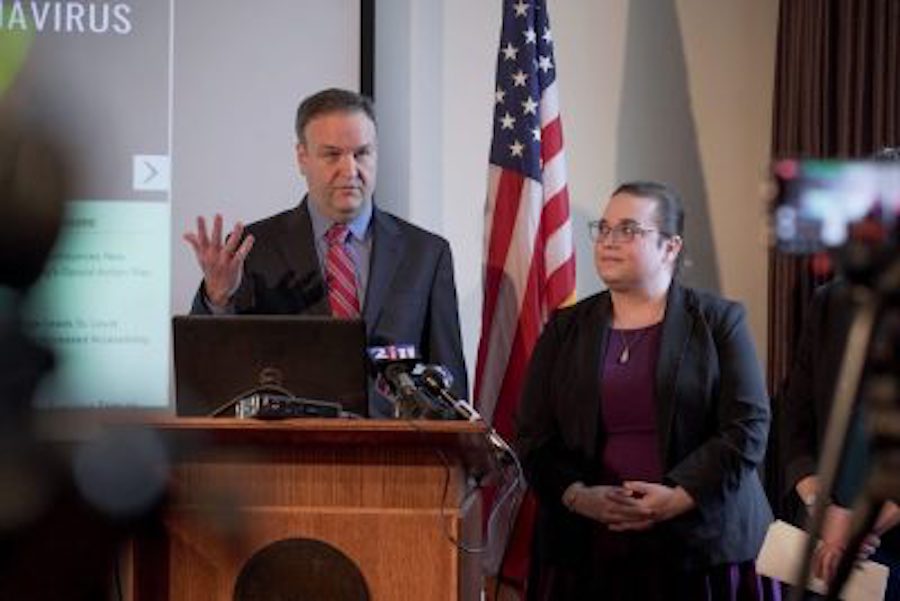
(529, 268)
(343, 294)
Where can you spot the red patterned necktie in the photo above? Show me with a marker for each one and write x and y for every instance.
(340, 274)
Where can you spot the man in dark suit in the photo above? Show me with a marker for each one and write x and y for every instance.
(337, 253)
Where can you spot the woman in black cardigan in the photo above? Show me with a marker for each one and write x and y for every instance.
(642, 424)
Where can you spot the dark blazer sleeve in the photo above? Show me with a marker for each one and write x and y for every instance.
(281, 274)
(742, 413)
(549, 464)
(442, 330)
(199, 306)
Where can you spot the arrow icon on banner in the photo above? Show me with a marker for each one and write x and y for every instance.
(150, 172)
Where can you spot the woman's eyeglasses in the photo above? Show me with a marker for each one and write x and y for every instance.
(600, 231)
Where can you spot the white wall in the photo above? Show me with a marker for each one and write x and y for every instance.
(731, 54)
(678, 90)
(234, 104)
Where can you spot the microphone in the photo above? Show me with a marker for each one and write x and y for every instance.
(438, 376)
(392, 365)
(437, 380)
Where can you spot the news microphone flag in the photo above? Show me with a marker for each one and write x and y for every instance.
(529, 259)
(393, 352)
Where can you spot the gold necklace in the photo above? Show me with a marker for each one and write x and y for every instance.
(625, 355)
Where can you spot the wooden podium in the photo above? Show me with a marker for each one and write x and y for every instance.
(389, 495)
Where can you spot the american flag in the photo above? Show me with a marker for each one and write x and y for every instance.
(529, 260)
(529, 263)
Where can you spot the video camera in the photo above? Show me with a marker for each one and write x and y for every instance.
(852, 210)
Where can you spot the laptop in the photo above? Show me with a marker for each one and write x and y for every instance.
(223, 358)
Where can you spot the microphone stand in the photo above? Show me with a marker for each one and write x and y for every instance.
(506, 503)
(406, 405)
(849, 378)
(881, 400)
(502, 449)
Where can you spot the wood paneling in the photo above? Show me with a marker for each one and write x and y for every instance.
(390, 495)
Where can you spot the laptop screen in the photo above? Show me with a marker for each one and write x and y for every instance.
(223, 358)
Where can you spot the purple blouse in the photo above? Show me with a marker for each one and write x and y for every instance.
(628, 406)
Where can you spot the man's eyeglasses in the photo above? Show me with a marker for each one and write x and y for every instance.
(600, 231)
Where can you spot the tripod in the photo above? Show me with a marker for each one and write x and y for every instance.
(869, 371)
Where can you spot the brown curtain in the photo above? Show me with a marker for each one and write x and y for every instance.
(837, 95)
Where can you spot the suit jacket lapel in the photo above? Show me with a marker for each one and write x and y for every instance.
(592, 341)
(298, 244)
(387, 243)
(677, 326)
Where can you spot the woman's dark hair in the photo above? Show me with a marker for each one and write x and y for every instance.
(669, 208)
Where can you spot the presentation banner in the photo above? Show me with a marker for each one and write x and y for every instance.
(167, 109)
(103, 305)
(97, 76)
